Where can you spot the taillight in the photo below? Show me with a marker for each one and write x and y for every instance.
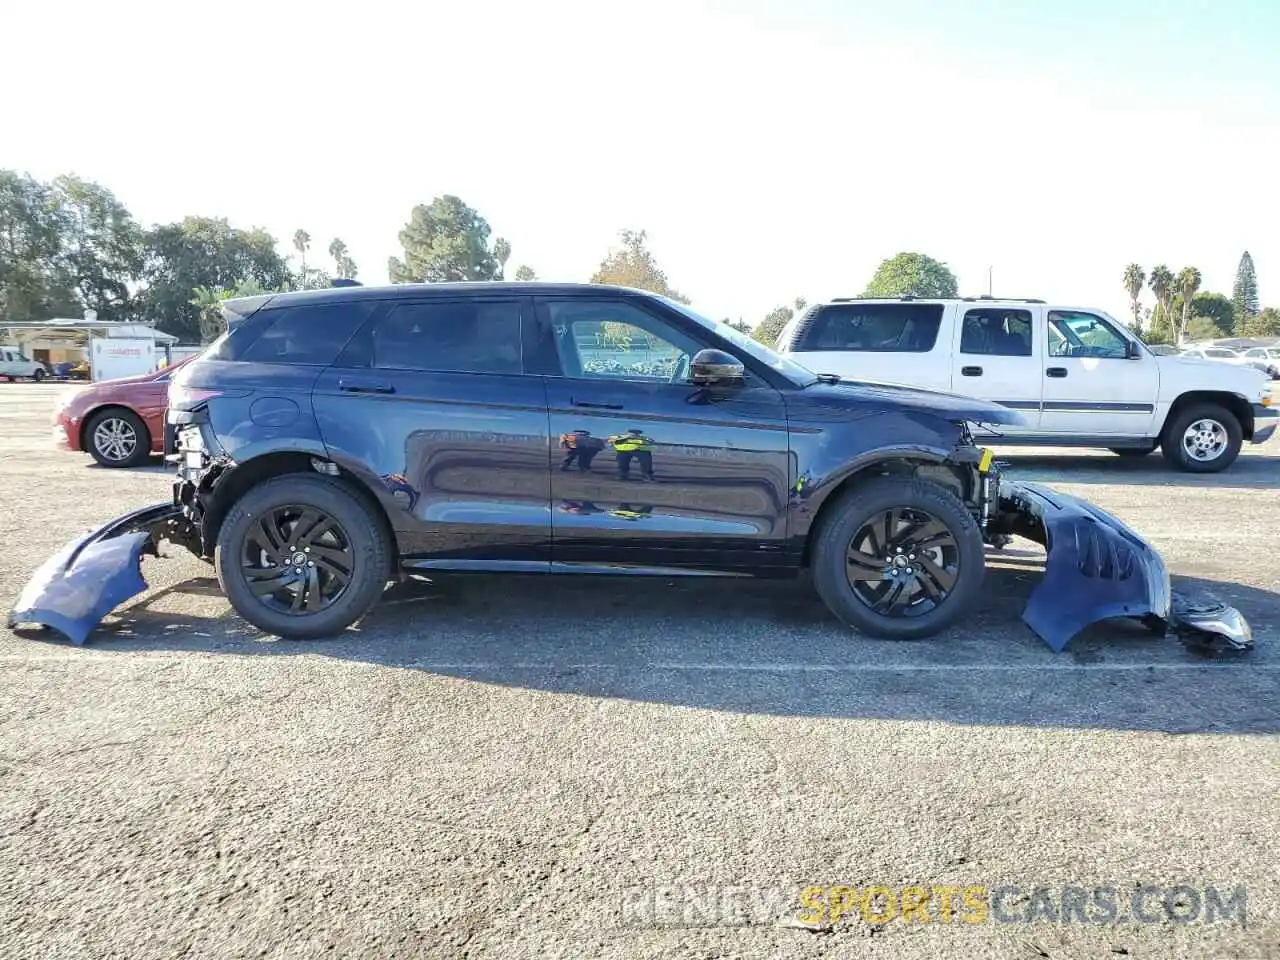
(182, 397)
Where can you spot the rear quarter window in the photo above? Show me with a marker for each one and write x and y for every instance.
(873, 328)
(303, 334)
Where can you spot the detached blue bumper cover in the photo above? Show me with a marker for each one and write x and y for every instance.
(92, 575)
(1097, 568)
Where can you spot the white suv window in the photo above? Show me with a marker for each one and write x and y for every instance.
(996, 332)
(873, 328)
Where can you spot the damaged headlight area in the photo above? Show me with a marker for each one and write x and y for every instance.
(1097, 569)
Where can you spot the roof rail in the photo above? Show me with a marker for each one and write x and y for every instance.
(343, 282)
(856, 299)
(987, 296)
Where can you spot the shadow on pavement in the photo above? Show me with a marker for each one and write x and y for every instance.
(764, 647)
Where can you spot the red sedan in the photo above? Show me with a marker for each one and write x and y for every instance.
(119, 422)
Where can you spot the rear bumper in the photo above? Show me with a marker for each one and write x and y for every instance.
(90, 576)
(1265, 421)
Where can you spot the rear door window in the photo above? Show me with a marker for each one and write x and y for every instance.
(873, 328)
(996, 332)
(450, 336)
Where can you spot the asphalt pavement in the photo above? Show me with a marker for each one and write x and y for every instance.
(524, 767)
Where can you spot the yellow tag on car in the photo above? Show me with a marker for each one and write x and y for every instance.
(985, 463)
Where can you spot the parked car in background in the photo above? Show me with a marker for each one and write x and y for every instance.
(14, 365)
(1078, 376)
(1228, 355)
(1267, 356)
(120, 423)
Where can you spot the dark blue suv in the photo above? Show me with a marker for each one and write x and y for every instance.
(332, 440)
(332, 437)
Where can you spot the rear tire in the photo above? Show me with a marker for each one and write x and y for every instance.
(933, 546)
(117, 438)
(333, 557)
(1202, 438)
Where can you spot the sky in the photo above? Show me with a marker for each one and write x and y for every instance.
(770, 149)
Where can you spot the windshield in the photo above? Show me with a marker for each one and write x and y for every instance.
(800, 376)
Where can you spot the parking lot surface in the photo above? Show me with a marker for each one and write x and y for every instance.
(526, 767)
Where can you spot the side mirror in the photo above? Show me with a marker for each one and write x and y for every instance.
(714, 368)
(1131, 350)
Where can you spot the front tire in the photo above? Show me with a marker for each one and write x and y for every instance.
(898, 559)
(38, 375)
(117, 438)
(1202, 438)
(302, 557)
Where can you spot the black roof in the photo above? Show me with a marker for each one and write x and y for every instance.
(415, 291)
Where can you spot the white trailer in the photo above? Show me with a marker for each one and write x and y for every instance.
(111, 358)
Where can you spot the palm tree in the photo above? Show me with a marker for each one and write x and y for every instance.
(1134, 278)
(343, 264)
(301, 243)
(1162, 281)
(337, 250)
(1188, 284)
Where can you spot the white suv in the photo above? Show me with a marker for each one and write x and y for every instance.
(13, 365)
(1079, 377)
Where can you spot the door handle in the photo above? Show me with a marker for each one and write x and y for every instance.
(596, 406)
(970, 371)
(365, 386)
(1058, 372)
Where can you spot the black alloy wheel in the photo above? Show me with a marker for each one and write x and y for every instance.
(303, 556)
(903, 562)
(297, 559)
(898, 557)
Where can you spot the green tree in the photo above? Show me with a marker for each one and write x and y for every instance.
(525, 274)
(101, 253)
(1187, 285)
(344, 267)
(1162, 283)
(447, 240)
(1134, 278)
(631, 264)
(1214, 307)
(1266, 323)
(203, 252)
(768, 329)
(1244, 293)
(501, 253)
(740, 325)
(912, 275)
(208, 302)
(33, 284)
(1202, 328)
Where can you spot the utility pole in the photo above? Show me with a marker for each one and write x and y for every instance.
(989, 288)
